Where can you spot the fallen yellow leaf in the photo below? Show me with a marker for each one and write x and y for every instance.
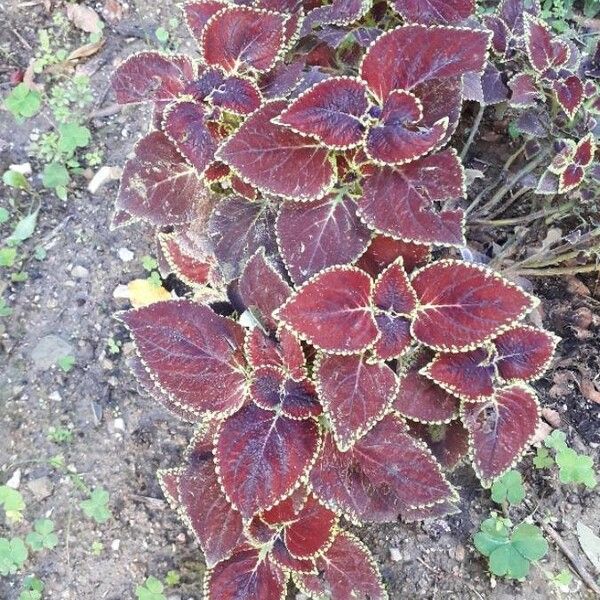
(143, 292)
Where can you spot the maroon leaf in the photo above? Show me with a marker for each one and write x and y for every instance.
(355, 394)
(197, 15)
(513, 12)
(468, 375)
(237, 229)
(584, 151)
(192, 264)
(245, 576)
(331, 111)
(194, 354)
(435, 53)
(429, 12)
(569, 93)
(151, 77)
(242, 36)
(525, 90)
(332, 311)
(398, 139)
(398, 201)
(339, 12)
(500, 33)
(570, 178)
(281, 556)
(383, 251)
(524, 353)
(216, 524)
(421, 399)
(384, 473)
(277, 160)
(316, 235)
(168, 480)
(262, 288)
(158, 185)
(272, 390)
(287, 509)
(449, 442)
(262, 455)
(285, 354)
(282, 79)
(461, 305)
(437, 511)
(185, 126)
(500, 430)
(545, 50)
(346, 570)
(393, 292)
(487, 88)
(395, 337)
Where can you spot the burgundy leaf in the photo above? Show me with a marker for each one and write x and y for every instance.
(262, 288)
(429, 12)
(449, 442)
(315, 235)
(468, 375)
(151, 77)
(216, 172)
(277, 160)
(262, 456)
(584, 151)
(287, 509)
(237, 95)
(184, 125)
(570, 94)
(285, 353)
(282, 79)
(395, 338)
(398, 139)
(237, 229)
(240, 187)
(500, 33)
(437, 511)
(193, 353)
(331, 111)
(384, 473)
(545, 50)
(245, 576)
(435, 53)
(524, 353)
(355, 394)
(393, 292)
(398, 201)
(158, 185)
(339, 12)
(500, 430)
(242, 36)
(281, 556)
(570, 178)
(487, 88)
(347, 570)
(272, 390)
(332, 311)
(216, 524)
(168, 480)
(525, 90)
(513, 12)
(197, 15)
(383, 251)
(461, 305)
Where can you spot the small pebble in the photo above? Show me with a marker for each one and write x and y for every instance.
(125, 254)
(395, 554)
(80, 272)
(15, 480)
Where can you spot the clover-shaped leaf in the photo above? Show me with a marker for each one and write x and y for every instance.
(510, 553)
(32, 589)
(96, 507)
(13, 554)
(508, 488)
(12, 502)
(542, 458)
(575, 468)
(43, 535)
(557, 440)
(23, 102)
(151, 590)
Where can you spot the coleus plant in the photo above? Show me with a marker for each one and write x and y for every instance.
(337, 359)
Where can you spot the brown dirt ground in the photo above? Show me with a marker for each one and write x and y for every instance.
(432, 560)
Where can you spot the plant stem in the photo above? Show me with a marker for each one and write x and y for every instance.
(524, 219)
(473, 132)
(555, 271)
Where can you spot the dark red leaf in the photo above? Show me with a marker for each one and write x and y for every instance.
(393, 292)
(151, 77)
(500, 33)
(468, 375)
(399, 139)
(242, 36)
(271, 389)
(500, 430)
(262, 456)
(585, 150)
(463, 304)
(237, 229)
(262, 288)
(355, 394)
(285, 353)
(487, 88)
(383, 251)
(287, 509)
(524, 353)
(332, 311)
(544, 49)
(569, 93)
(168, 480)
(158, 185)
(347, 570)
(395, 337)
(316, 235)
(277, 160)
(435, 53)
(190, 262)
(513, 12)
(449, 442)
(429, 12)
(216, 172)
(245, 576)
(570, 178)
(193, 353)
(437, 511)
(331, 111)
(185, 126)
(197, 15)
(237, 95)
(216, 524)
(525, 90)
(282, 79)
(398, 201)
(339, 12)
(281, 556)
(240, 187)
(384, 473)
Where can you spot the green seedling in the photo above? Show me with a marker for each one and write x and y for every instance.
(508, 488)
(23, 102)
(13, 504)
(151, 590)
(13, 554)
(96, 506)
(43, 536)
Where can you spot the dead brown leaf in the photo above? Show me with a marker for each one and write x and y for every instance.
(84, 18)
(112, 11)
(589, 390)
(86, 50)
